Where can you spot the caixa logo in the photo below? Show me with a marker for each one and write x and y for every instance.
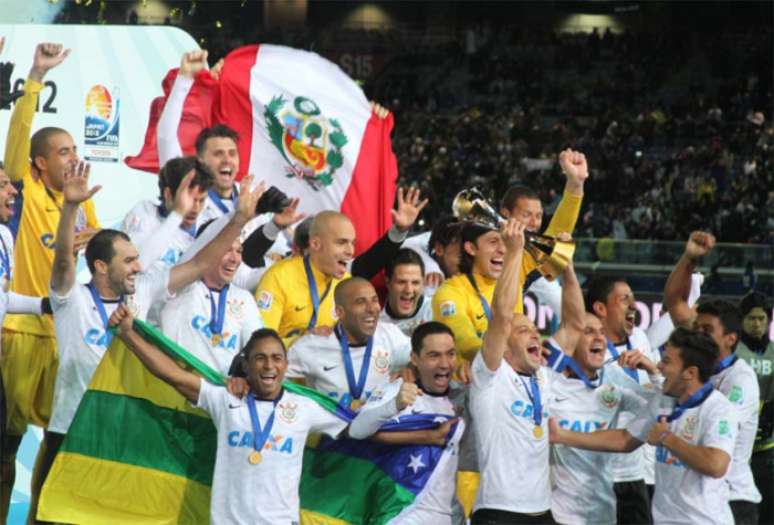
(521, 409)
(246, 439)
(202, 325)
(582, 426)
(97, 337)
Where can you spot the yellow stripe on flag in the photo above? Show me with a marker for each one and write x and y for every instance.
(313, 518)
(128, 494)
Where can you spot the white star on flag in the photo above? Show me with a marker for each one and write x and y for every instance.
(416, 463)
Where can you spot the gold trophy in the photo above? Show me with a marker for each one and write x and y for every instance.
(552, 255)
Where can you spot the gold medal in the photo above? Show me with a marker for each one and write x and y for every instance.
(216, 339)
(356, 404)
(254, 458)
(537, 432)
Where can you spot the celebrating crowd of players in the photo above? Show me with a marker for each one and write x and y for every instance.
(688, 410)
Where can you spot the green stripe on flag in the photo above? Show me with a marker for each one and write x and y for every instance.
(324, 481)
(135, 431)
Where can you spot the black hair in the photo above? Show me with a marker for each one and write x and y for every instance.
(426, 329)
(446, 231)
(404, 256)
(515, 193)
(470, 232)
(216, 131)
(598, 289)
(754, 300)
(727, 314)
(100, 247)
(175, 170)
(258, 336)
(696, 349)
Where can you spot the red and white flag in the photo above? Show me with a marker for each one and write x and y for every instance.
(307, 128)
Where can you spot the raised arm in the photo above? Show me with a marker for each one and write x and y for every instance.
(157, 362)
(169, 121)
(75, 191)
(678, 285)
(573, 312)
(370, 262)
(576, 170)
(505, 294)
(189, 271)
(17, 147)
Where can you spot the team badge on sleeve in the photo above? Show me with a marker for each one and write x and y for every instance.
(448, 308)
(724, 429)
(736, 395)
(264, 300)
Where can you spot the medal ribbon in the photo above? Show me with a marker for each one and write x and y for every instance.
(533, 392)
(5, 259)
(101, 309)
(316, 300)
(355, 389)
(217, 201)
(218, 314)
(484, 302)
(576, 369)
(260, 435)
(631, 372)
(696, 399)
(725, 363)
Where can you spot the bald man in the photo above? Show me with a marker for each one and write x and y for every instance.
(296, 295)
(349, 363)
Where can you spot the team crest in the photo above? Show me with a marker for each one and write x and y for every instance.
(264, 300)
(236, 308)
(309, 142)
(689, 428)
(288, 412)
(608, 396)
(448, 308)
(382, 361)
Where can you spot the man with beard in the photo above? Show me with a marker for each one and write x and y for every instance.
(358, 355)
(733, 377)
(434, 359)
(694, 428)
(81, 312)
(758, 351)
(406, 307)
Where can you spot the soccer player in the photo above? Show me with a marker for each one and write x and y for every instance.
(406, 306)
(462, 301)
(440, 251)
(213, 318)
(758, 351)
(509, 394)
(695, 434)
(81, 312)
(590, 396)
(35, 166)
(612, 301)
(434, 359)
(732, 376)
(254, 484)
(296, 295)
(357, 355)
(162, 232)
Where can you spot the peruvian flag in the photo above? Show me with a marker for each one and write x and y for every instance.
(305, 127)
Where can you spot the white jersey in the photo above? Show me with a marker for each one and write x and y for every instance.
(266, 493)
(423, 314)
(434, 505)
(512, 458)
(683, 495)
(640, 463)
(582, 479)
(740, 385)
(82, 338)
(186, 320)
(320, 361)
(153, 234)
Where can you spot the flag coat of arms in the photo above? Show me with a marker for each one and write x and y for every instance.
(305, 127)
(137, 453)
